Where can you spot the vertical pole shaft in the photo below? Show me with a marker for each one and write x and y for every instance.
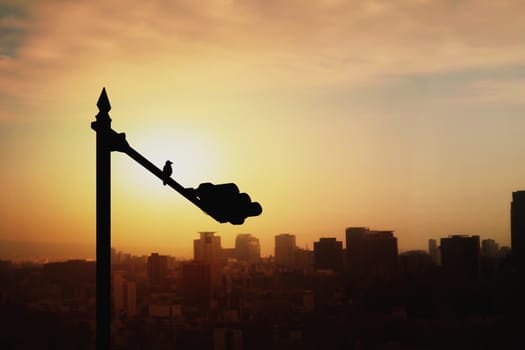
(103, 243)
(103, 226)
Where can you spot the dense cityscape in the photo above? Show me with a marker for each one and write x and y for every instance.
(460, 293)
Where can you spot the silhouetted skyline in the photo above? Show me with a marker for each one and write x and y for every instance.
(372, 298)
(42, 252)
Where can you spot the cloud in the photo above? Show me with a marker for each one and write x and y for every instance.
(508, 90)
(12, 29)
(270, 43)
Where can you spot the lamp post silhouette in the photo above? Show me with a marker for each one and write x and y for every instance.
(223, 202)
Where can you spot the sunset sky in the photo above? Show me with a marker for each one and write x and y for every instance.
(397, 115)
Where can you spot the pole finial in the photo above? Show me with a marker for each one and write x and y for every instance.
(103, 101)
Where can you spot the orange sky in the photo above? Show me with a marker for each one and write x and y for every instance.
(401, 115)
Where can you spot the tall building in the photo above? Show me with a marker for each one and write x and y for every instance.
(433, 251)
(517, 229)
(415, 263)
(157, 270)
(196, 284)
(371, 254)
(124, 296)
(208, 249)
(354, 243)
(303, 259)
(489, 248)
(489, 262)
(328, 254)
(284, 250)
(114, 256)
(460, 257)
(247, 248)
(355, 234)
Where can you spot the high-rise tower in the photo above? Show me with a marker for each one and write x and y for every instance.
(460, 257)
(371, 254)
(517, 229)
(284, 250)
(328, 254)
(157, 270)
(207, 249)
(247, 248)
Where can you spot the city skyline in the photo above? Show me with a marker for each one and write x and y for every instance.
(403, 116)
(470, 298)
(36, 251)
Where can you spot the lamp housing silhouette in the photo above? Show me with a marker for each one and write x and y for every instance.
(225, 203)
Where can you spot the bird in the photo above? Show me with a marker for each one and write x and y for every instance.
(167, 171)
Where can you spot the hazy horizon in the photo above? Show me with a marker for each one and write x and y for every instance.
(40, 250)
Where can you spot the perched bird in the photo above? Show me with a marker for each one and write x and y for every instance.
(167, 171)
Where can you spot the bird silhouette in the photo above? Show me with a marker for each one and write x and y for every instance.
(167, 171)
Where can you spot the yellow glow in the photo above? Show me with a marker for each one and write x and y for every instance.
(331, 114)
(193, 153)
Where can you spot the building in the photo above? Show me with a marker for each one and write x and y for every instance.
(489, 259)
(460, 257)
(74, 272)
(208, 249)
(355, 235)
(415, 263)
(227, 339)
(196, 284)
(354, 242)
(124, 296)
(114, 256)
(328, 254)
(371, 254)
(303, 259)
(228, 254)
(247, 248)
(433, 251)
(517, 229)
(157, 270)
(285, 250)
(489, 248)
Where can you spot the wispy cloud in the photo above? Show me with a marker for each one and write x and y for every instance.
(509, 90)
(12, 28)
(273, 42)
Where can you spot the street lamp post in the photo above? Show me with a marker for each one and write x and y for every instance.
(223, 202)
(102, 126)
